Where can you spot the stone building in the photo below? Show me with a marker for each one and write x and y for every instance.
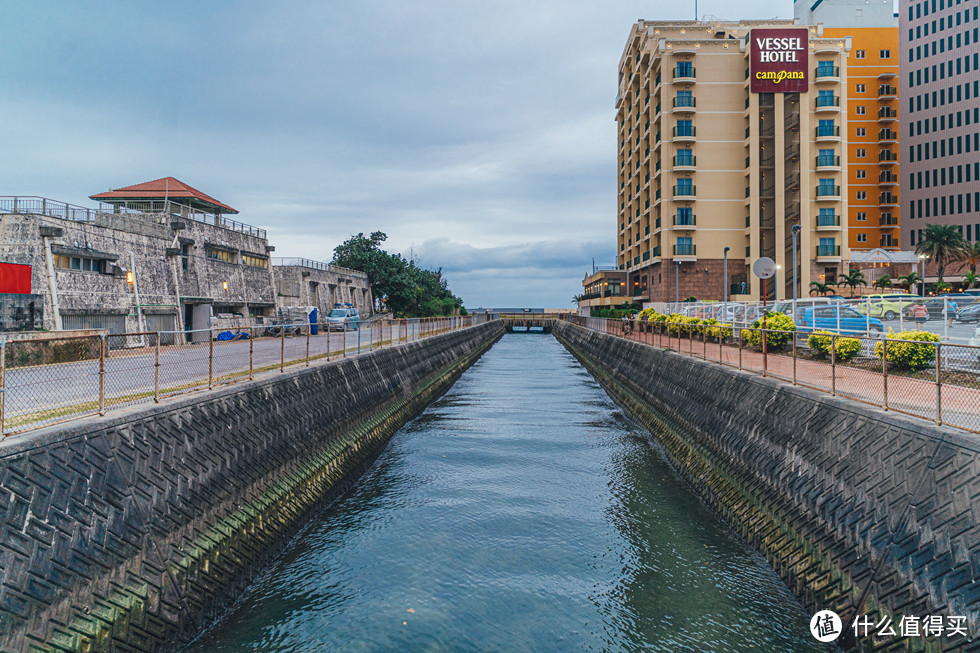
(155, 256)
(302, 282)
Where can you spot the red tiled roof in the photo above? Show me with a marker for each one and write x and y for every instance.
(165, 187)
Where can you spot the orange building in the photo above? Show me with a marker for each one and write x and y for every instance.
(872, 144)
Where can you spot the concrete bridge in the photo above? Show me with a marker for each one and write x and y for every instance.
(529, 323)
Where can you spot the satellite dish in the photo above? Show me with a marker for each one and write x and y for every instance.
(764, 268)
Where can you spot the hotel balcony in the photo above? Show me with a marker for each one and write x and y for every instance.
(827, 74)
(828, 104)
(685, 192)
(886, 178)
(828, 162)
(887, 92)
(685, 104)
(828, 251)
(887, 158)
(685, 251)
(685, 162)
(685, 222)
(888, 200)
(685, 73)
(887, 136)
(887, 221)
(887, 114)
(682, 134)
(828, 193)
(831, 133)
(828, 222)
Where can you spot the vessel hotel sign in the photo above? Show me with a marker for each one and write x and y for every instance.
(778, 60)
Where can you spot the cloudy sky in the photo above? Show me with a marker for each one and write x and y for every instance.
(479, 136)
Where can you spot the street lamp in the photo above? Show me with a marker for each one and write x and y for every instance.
(677, 282)
(775, 287)
(796, 230)
(725, 295)
(922, 258)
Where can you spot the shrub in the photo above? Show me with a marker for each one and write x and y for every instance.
(713, 329)
(910, 350)
(780, 329)
(647, 314)
(845, 349)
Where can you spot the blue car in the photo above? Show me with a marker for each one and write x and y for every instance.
(825, 318)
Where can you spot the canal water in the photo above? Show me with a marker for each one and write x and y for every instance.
(520, 512)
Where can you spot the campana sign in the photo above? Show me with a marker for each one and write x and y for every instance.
(778, 60)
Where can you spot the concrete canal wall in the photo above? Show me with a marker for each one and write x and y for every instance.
(859, 511)
(131, 532)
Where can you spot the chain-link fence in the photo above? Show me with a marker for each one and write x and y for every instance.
(48, 380)
(918, 374)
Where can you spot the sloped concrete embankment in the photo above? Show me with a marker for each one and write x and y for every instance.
(859, 511)
(132, 532)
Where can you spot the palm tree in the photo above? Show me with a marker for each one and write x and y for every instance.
(820, 288)
(884, 282)
(853, 278)
(910, 278)
(971, 278)
(970, 255)
(941, 243)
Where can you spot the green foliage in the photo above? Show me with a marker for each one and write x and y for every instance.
(712, 328)
(942, 244)
(853, 278)
(844, 348)
(910, 278)
(969, 255)
(971, 279)
(910, 350)
(647, 314)
(882, 282)
(398, 284)
(820, 288)
(779, 327)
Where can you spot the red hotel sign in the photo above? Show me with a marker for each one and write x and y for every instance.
(778, 60)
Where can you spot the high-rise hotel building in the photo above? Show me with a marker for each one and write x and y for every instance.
(730, 134)
(940, 66)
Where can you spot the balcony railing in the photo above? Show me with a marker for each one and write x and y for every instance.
(889, 221)
(656, 252)
(684, 72)
(887, 178)
(828, 220)
(828, 191)
(827, 71)
(680, 161)
(685, 220)
(828, 160)
(887, 91)
(825, 130)
(887, 198)
(685, 250)
(684, 131)
(887, 155)
(887, 135)
(828, 250)
(685, 190)
(685, 102)
(828, 101)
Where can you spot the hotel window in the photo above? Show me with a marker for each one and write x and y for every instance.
(862, 216)
(885, 54)
(219, 254)
(861, 131)
(862, 174)
(860, 153)
(859, 54)
(862, 238)
(860, 88)
(861, 110)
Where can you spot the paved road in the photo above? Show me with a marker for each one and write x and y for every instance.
(50, 393)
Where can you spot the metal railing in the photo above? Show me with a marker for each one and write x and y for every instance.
(932, 380)
(51, 380)
(280, 261)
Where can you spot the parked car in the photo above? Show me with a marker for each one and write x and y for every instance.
(825, 318)
(936, 305)
(342, 318)
(969, 313)
(887, 307)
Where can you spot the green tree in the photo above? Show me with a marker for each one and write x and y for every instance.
(820, 288)
(882, 282)
(942, 244)
(971, 279)
(909, 279)
(853, 278)
(969, 255)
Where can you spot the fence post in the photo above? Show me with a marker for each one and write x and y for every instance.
(344, 331)
(794, 359)
(721, 344)
(704, 342)
(282, 348)
(308, 329)
(156, 372)
(939, 383)
(102, 343)
(884, 373)
(833, 365)
(740, 349)
(251, 353)
(3, 381)
(358, 338)
(327, 329)
(210, 357)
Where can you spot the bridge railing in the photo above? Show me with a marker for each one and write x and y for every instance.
(49, 380)
(920, 376)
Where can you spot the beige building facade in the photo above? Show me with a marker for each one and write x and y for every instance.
(710, 170)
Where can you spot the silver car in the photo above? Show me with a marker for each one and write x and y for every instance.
(342, 319)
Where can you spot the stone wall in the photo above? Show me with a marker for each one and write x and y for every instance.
(21, 312)
(131, 532)
(859, 511)
(299, 284)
